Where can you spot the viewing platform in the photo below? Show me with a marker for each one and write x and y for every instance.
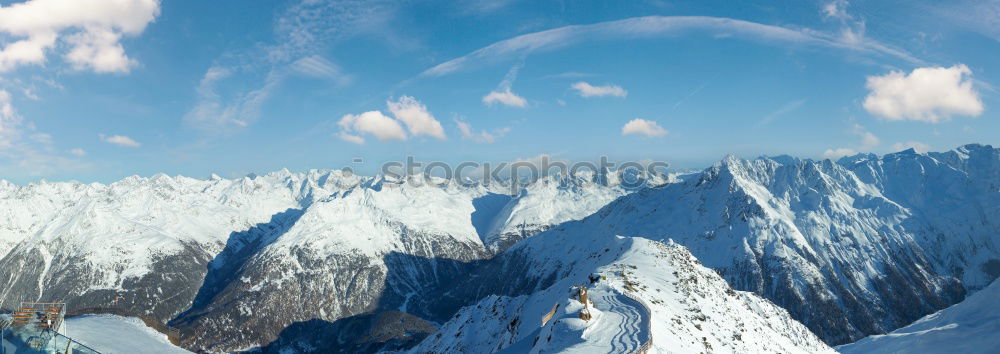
(37, 327)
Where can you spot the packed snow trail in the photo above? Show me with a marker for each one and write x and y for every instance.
(622, 324)
(619, 324)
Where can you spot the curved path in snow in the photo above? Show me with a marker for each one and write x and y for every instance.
(623, 325)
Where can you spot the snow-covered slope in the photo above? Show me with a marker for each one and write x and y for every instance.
(850, 249)
(970, 326)
(558, 199)
(651, 291)
(110, 334)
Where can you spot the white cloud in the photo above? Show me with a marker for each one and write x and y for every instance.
(915, 145)
(78, 152)
(91, 29)
(351, 138)
(30, 94)
(931, 94)
(659, 26)
(25, 152)
(868, 140)
(481, 137)
(504, 94)
(407, 110)
(836, 9)
(120, 140)
(375, 123)
(834, 154)
(321, 68)
(215, 114)
(588, 90)
(41, 138)
(414, 114)
(640, 126)
(10, 121)
(505, 97)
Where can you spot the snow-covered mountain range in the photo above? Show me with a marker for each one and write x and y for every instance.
(849, 248)
(213, 255)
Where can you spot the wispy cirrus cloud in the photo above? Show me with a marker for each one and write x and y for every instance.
(783, 110)
(479, 137)
(316, 66)
(659, 26)
(302, 31)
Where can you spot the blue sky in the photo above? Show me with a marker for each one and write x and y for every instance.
(94, 90)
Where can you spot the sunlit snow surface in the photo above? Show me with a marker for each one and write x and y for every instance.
(690, 308)
(971, 326)
(111, 334)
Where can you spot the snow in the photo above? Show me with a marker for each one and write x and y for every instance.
(110, 334)
(124, 226)
(557, 199)
(675, 302)
(970, 326)
(797, 229)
